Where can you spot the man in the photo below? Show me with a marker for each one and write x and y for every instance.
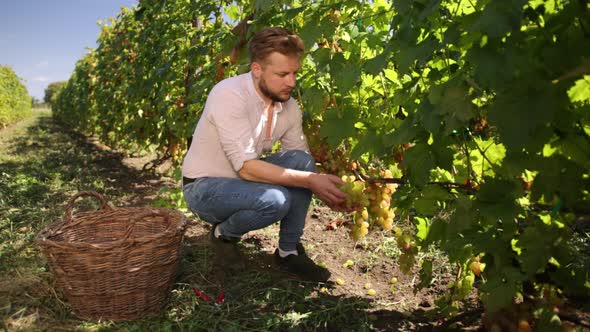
(229, 183)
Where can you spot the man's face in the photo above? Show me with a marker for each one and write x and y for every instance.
(277, 76)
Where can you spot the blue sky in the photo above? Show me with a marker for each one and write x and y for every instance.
(42, 40)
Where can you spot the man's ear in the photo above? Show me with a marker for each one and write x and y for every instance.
(256, 69)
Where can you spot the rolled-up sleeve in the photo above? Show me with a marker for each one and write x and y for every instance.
(294, 139)
(229, 114)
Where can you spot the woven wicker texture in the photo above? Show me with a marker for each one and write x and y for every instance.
(114, 263)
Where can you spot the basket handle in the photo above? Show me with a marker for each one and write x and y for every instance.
(70, 205)
(149, 213)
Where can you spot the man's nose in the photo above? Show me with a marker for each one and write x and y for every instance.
(291, 81)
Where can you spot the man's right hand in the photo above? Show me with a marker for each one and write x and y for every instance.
(325, 187)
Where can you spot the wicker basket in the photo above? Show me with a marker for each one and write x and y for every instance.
(114, 264)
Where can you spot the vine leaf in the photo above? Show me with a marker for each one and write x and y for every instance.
(463, 216)
(498, 18)
(263, 5)
(500, 288)
(558, 175)
(311, 32)
(522, 113)
(344, 73)
(375, 65)
(580, 92)
(496, 201)
(425, 274)
(370, 142)
(427, 203)
(338, 124)
(419, 160)
(405, 133)
(451, 102)
(535, 247)
(423, 226)
(313, 100)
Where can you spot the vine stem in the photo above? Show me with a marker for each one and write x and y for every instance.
(494, 167)
(469, 166)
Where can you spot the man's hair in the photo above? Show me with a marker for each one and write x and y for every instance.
(272, 40)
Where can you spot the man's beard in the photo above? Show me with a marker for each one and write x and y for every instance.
(266, 91)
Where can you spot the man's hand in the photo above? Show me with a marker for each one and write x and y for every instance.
(325, 186)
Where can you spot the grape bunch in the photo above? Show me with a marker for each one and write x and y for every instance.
(370, 201)
(380, 201)
(462, 287)
(355, 193)
(360, 228)
(408, 247)
(356, 200)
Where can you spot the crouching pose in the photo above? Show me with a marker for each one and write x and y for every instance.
(229, 178)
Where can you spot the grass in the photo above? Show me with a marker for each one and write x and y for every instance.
(42, 165)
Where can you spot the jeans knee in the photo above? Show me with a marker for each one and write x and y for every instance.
(304, 160)
(276, 202)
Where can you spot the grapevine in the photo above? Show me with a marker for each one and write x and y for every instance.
(15, 102)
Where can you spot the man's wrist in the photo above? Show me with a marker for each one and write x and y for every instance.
(310, 179)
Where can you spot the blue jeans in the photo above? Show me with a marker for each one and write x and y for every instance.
(238, 206)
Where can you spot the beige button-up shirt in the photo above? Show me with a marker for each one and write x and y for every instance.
(233, 129)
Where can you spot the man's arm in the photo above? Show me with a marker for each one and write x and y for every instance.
(325, 186)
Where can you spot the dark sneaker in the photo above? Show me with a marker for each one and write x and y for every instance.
(302, 265)
(227, 253)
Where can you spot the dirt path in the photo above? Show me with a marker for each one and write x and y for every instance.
(42, 165)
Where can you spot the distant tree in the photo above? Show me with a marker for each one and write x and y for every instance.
(52, 89)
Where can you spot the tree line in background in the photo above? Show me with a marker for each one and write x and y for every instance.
(52, 91)
(479, 111)
(15, 102)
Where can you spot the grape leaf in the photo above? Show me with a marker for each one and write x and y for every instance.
(425, 274)
(370, 142)
(405, 133)
(580, 92)
(419, 160)
(452, 103)
(375, 65)
(338, 124)
(498, 18)
(422, 226)
(558, 175)
(313, 100)
(521, 112)
(535, 247)
(347, 77)
(427, 203)
(500, 288)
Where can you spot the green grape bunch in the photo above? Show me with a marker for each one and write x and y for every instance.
(380, 200)
(370, 203)
(407, 245)
(354, 189)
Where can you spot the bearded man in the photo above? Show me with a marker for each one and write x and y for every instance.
(230, 177)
